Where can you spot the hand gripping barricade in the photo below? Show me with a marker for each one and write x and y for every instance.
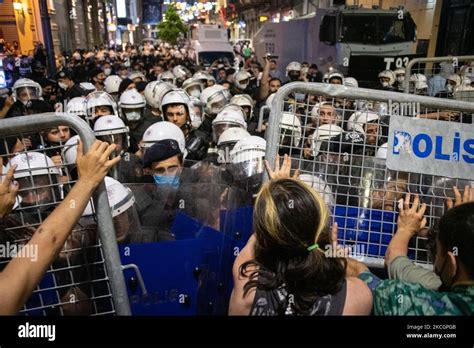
(449, 77)
(376, 147)
(86, 278)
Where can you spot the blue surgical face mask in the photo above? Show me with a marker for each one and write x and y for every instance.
(172, 181)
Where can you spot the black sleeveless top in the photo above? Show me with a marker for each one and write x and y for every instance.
(268, 303)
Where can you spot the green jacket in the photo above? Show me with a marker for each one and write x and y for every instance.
(394, 297)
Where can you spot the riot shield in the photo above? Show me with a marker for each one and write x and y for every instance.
(184, 265)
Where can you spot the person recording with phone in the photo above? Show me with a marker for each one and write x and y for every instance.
(268, 84)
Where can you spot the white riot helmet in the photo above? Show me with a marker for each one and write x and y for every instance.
(161, 131)
(137, 75)
(112, 130)
(242, 79)
(227, 141)
(155, 91)
(243, 100)
(204, 77)
(232, 136)
(201, 76)
(293, 66)
(351, 82)
(180, 97)
(32, 164)
(193, 87)
(177, 96)
(121, 202)
(336, 75)
(98, 99)
(290, 130)
(88, 87)
(455, 78)
(248, 149)
(132, 105)
(418, 83)
(389, 75)
(323, 134)
(197, 115)
(452, 82)
(227, 118)
(214, 99)
(25, 90)
(120, 198)
(359, 119)
(69, 151)
(181, 73)
(247, 162)
(168, 76)
(321, 187)
(112, 84)
(33, 170)
(400, 78)
(400, 74)
(76, 107)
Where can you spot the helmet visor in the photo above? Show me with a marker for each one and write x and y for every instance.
(219, 128)
(250, 168)
(216, 103)
(121, 140)
(27, 93)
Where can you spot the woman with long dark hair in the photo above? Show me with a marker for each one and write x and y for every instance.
(290, 265)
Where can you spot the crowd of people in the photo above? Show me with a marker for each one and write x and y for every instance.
(176, 132)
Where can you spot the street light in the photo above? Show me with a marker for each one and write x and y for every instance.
(18, 7)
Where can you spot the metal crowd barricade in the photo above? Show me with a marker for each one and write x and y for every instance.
(87, 276)
(345, 159)
(436, 76)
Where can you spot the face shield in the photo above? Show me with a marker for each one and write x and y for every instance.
(243, 84)
(385, 81)
(126, 220)
(37, 193)
(389, 189)
(216, 103)
(121, 140)
(219, 128)
(294, 75)
(194, 91)
(248, 175)
(168, 79)
(99, 104)
(25, 94)
(133, 115)
(124, 212)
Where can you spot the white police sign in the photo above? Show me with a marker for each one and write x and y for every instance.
(431, 147)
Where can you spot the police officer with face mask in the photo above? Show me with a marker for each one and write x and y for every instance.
(157, 204)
